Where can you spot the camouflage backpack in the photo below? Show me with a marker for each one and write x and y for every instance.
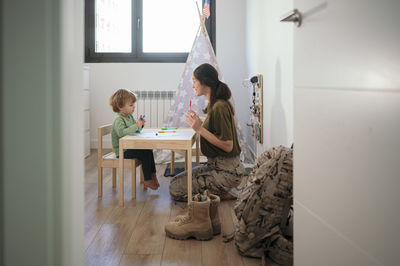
(263, 208)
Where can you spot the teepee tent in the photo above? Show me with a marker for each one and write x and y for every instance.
(202, 52)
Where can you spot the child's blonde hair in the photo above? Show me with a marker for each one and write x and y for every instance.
(120, 98)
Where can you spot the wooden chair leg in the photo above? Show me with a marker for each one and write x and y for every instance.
(172, 170)
(142, 177)
(100, 181)
(114, 177)
(133, 168)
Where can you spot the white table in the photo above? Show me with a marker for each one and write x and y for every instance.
(182, 139)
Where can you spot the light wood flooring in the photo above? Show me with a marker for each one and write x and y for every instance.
(134, 234)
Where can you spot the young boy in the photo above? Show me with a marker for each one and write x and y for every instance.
(123, 103)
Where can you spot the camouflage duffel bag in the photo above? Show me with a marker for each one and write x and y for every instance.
(280, 251)
(263, 207)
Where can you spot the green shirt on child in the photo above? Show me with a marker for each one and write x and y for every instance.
(122, 126)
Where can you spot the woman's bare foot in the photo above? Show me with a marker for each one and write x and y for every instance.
(150, 184)
(154, 176)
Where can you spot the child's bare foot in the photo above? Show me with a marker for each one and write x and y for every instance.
(227, 196)
(150, 184)
(154, 176)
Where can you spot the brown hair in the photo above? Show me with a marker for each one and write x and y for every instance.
(207, 75)
(120, 98)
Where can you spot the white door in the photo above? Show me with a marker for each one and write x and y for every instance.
(347, 132)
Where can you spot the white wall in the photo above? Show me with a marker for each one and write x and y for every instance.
(105, 78)
(231, 56)
(71, 154)
(41, 154)
(347, 128)
(269, 50)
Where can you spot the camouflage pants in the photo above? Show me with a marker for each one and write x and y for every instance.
(219, 175)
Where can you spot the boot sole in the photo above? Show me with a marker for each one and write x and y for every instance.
(199, 236)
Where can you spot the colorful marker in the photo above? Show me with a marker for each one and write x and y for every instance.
(169, 131)
(177, 204)
(141, 118)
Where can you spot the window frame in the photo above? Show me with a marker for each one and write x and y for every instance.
(137, 54)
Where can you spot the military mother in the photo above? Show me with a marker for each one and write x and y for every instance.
(218, 140)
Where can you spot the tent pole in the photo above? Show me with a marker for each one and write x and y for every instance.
(202, 19)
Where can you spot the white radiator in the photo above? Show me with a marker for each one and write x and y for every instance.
(155, 104)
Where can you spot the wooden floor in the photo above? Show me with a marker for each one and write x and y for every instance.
(134, 234)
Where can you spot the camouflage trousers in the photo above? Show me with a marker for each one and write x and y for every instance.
(219, 175)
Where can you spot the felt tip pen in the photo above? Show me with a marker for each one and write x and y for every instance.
(177, 204)
(169, 131)
(141, 118)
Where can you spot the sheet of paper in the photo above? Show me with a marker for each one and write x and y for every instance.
(167, 134)
(146, 135)
(155, 134)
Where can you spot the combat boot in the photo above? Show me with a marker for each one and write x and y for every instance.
(195, 224)
(214, 213)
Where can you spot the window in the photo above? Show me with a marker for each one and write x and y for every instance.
(143, 30)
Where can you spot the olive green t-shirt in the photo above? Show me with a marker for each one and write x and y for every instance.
(220, 122)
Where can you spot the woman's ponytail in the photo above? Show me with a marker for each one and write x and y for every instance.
(223, 93)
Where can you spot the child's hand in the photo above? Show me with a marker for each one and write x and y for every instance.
(143, 120)
(140, 123)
